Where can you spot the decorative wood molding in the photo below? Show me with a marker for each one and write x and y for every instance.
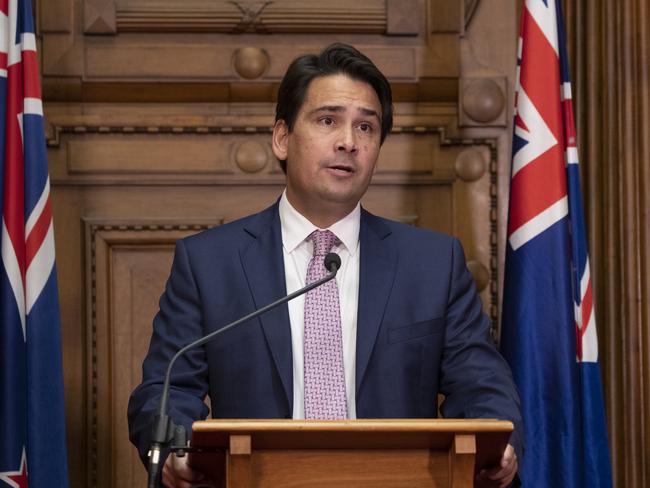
(494, 239)
(57, 17)
(483, 101)
(424, 171)
(263, 17)
(99, 17)
(157, 58)
(391, 17)
(62, 56)
(470, 10)
(54, 134)
(56, 129)
(445, 16)
(441, 90)
(403, 18)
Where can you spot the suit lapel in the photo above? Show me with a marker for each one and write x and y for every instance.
(263, 265)
(376, 275)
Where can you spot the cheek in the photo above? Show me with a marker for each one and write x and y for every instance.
(306, 149)
(370, 154)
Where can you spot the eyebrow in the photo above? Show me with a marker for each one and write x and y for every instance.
(339, 108)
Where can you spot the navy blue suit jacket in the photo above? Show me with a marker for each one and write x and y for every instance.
(420, 330)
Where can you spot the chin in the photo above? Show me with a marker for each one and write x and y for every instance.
(342, 198)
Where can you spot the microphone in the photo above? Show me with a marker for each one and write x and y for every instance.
(163, 428)
(332, 262)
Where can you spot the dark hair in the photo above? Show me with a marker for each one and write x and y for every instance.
(334, 59)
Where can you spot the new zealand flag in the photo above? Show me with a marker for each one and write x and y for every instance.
(549, 328)
(32, 422)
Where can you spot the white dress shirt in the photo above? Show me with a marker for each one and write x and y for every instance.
(297, 254)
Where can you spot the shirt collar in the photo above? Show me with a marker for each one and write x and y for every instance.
(296, 227)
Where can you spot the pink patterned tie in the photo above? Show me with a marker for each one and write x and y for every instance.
(323, 345)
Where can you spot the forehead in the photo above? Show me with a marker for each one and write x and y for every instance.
(340, 90)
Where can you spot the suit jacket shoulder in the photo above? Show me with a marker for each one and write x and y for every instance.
(408, 240)
(235, 234)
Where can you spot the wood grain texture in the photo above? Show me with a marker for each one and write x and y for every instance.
(152, 44)
(461, 461)
(366, 452)
(99, 17)
(126, 264)
(239, 462)
(265, 17)
(56, 18)
(376, 468)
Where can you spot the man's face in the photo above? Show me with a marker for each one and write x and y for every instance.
(333, 147)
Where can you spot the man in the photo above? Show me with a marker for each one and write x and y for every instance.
(402, 323)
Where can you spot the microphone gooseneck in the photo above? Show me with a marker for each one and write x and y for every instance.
(163, 426)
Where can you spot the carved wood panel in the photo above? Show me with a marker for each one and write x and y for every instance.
(127, 264)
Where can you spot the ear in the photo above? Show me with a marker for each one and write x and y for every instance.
(280, 141)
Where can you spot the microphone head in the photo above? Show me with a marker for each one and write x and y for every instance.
(332, 262)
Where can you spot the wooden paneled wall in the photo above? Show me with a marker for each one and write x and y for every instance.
(610, 44)
(158, 125)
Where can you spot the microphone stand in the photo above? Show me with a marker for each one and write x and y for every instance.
(164, 429)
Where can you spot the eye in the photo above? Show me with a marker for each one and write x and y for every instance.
(366, 127)
(327, 121)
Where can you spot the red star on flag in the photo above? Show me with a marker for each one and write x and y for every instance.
(16, 479)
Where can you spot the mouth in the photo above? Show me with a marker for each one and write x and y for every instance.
(341, 168)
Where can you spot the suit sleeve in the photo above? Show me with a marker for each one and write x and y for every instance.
(178, 323)
(475, 379)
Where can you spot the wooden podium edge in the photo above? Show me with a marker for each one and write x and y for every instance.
(470, 444)
(384, 425)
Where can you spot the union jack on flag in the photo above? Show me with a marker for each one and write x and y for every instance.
(549, 329)
(32, 422)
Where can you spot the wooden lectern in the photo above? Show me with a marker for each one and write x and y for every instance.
(378, 453)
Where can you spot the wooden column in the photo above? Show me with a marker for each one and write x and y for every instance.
(462, 457)
(239, 462)
(610, 46)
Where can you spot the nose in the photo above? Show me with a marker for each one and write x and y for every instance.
(346, 141)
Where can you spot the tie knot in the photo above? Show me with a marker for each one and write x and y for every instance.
(324, 241)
